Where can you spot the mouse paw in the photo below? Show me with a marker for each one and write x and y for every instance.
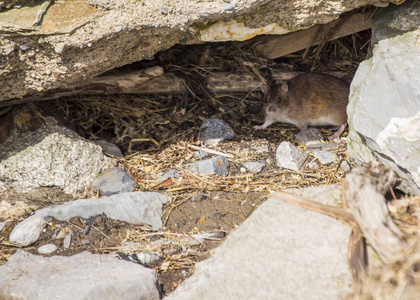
(259, 127)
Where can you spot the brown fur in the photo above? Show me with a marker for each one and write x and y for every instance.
(309, 99)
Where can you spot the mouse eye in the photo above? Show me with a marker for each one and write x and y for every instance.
(278, 99)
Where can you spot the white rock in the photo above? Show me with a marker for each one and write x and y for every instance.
(289, 157)
(47, 249)
(384, 109)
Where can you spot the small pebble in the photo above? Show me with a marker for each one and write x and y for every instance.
(89, 44)
(118, 28)
(345, 166)
(85, 242)
(59, 48)
(47, 249)
(23, 47)
(48, 72)
(228, 7)
(2, 225)
(205, 15)
(31, 53)
(67, 240)
(163, 10)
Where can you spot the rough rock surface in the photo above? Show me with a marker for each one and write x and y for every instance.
(82, 276)
(282, 251)
(50, 156)
(389, 85)
(138, 208)
(55, 43)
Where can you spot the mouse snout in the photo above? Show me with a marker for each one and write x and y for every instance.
(271, 109)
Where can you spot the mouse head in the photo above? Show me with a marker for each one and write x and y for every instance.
(274, 92)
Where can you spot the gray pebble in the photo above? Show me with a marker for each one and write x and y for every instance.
(67, 240)
(118, 28)
(169, 174)
(308, 135)
(201, 154)
(163, 10)
(213, 131)
(47, 249)
(254, 167)
(113, 181)
(228, 7)
(109, 148)
(85, 242)
(23, 47)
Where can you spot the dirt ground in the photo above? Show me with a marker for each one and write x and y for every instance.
(167, 125)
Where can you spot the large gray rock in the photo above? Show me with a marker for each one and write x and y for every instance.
(69, 41)
(384, 109)
(50, 156)
(282, 251)
(138, 208)
(82, 276)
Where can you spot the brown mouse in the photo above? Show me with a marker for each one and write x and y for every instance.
(309, 99)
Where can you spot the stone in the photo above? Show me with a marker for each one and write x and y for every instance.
(81, 276)
(216, 165)
(67, 240)
(254, 166)
(50, 156)
(2, 225)
(282, 251)
(109, 148)
(170, 174)
(384, 109)
(289, 157)
(47, 249)
(325, 157)
(113, 181)
(345, 166)
(310, 134)
(201, 154)
(213, 131)
(395, 20)
(138, 208)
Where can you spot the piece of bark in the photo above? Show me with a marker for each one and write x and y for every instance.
(365, 187)
(276, 46)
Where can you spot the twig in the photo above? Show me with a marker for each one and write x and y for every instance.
(211, 151)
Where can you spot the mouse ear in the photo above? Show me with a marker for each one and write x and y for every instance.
(284, 88)
(264, 89)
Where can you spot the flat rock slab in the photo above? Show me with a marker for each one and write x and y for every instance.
(282, 251)
(138, 208)
(82, 276)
